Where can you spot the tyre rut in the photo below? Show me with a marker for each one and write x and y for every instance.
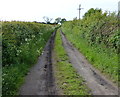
(40, 79)
(98, 84)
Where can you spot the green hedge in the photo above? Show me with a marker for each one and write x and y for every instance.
(97, 37)
(22, 43)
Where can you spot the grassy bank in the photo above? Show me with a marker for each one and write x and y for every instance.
(67, 78)
(96, 40)
(23, 42)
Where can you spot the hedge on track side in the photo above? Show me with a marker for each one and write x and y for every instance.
(97, 37)
(22, 43)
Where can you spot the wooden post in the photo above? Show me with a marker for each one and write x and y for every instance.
(79, 10)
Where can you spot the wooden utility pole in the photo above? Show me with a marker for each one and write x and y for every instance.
(79, 10)
(119, 9)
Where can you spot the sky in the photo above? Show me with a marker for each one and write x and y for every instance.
(35, 10)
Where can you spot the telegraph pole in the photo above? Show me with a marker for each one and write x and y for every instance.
(79, 10)
(119, 9)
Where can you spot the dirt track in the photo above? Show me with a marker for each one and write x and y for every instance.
(40, 80)
(98, 84)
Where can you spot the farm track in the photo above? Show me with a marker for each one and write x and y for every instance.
(40, 80)
(98, 84)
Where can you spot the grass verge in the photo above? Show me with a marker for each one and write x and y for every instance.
(67, 78)
(100, 57)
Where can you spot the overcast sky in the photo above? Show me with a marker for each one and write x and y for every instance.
(34, 10)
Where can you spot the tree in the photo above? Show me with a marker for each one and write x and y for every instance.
(75, 18)
(63, 20)
(57, 20)
(47, 19)
(91, 12)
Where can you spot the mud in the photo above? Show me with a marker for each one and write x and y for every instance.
(40, 79)
(98, 84)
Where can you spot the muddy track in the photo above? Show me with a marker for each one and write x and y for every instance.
(40, 80)
(98, 84)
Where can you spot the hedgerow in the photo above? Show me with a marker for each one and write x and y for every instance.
(97, 37)
(22, 43)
